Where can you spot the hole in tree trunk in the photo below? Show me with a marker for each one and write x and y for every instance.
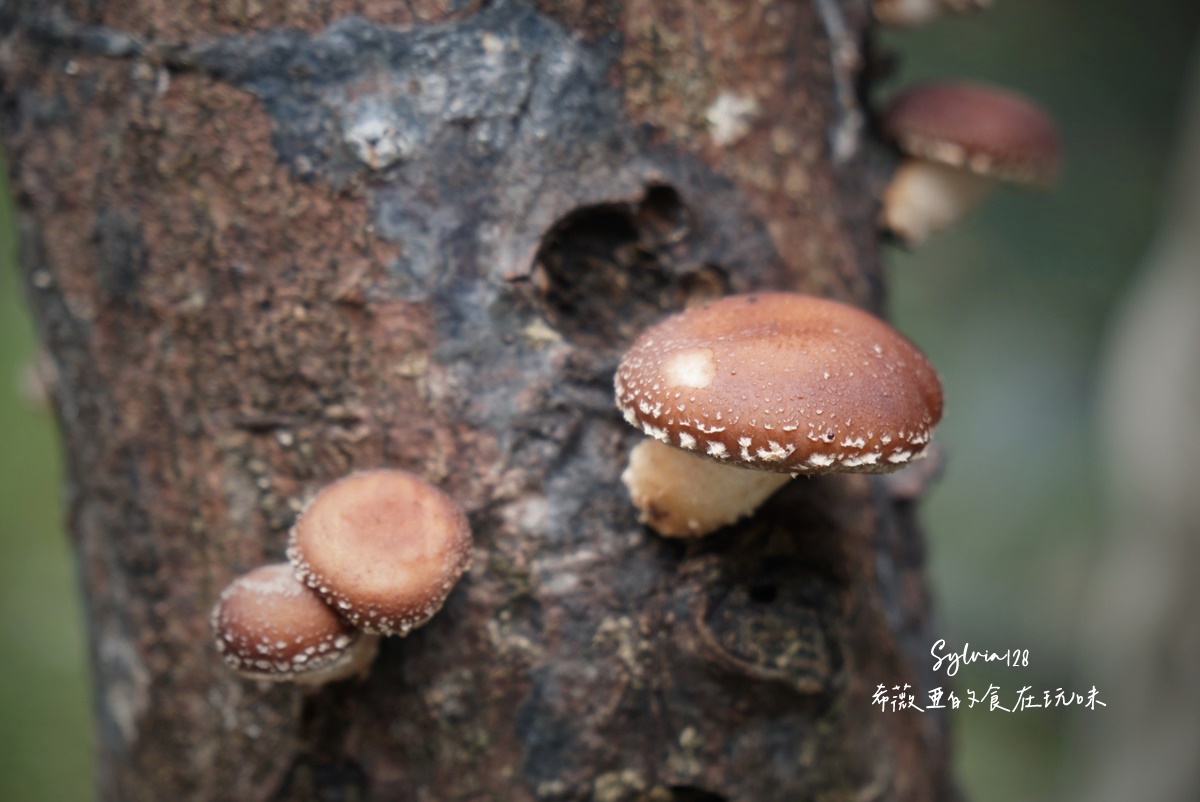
(764, 594)
(686, 793)
(606, 272)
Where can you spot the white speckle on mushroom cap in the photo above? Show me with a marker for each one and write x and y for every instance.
(692, 369)
(783, 373)
(384, 547)
(267, 625)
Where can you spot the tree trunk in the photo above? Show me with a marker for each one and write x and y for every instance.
(271, 242)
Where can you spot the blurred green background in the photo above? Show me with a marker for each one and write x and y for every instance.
(45, 719)
(1012, 307)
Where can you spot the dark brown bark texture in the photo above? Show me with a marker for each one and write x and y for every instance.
(272, 242)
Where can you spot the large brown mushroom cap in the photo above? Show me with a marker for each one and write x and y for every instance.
(988, 131)
(383, 547)
(269, 626)
(782, 382)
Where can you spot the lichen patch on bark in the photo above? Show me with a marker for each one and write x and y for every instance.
(704, 74)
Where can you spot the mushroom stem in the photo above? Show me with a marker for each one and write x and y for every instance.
(682, 495)
(925, 197)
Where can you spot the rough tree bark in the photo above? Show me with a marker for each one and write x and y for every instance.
(270, 242)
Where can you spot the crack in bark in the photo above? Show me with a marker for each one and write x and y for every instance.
(845, 61)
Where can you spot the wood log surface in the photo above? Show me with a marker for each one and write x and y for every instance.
(269, 243)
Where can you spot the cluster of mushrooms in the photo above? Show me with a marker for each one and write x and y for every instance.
(375, 553)
(737, 396)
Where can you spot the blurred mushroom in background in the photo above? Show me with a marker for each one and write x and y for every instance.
(914, 13)
(960, 140)
(1141, 632)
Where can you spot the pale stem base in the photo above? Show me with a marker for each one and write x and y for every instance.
(682, 495)
(924, 198)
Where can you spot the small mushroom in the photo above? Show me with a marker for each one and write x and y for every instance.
(961, 139)
(269, 626)
(742, 393)
(911, 13)
(383, 547)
